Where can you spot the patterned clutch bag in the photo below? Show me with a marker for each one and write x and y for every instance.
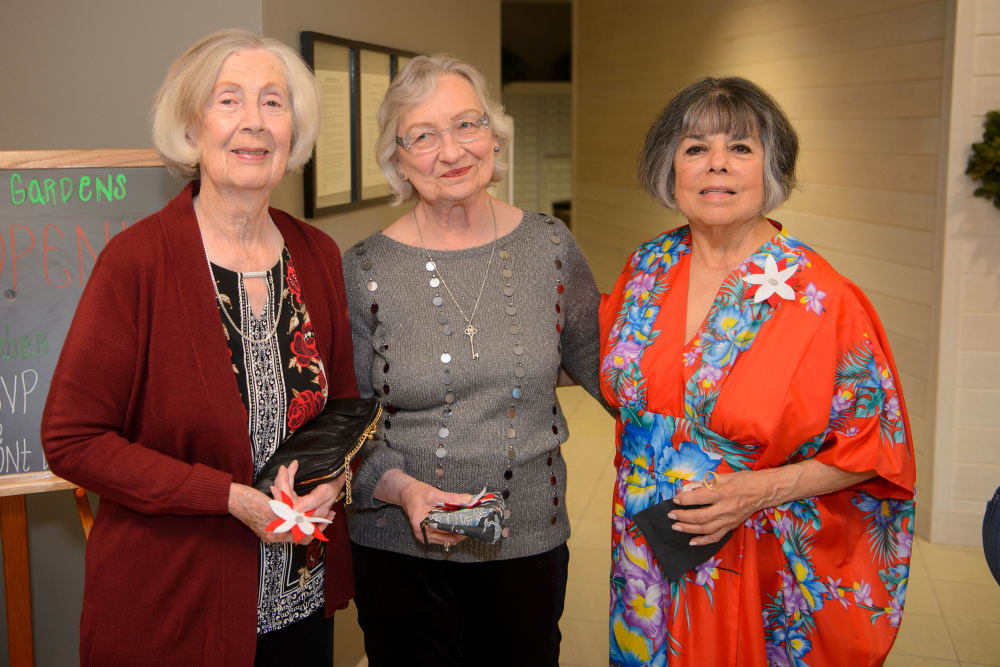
(482, 518)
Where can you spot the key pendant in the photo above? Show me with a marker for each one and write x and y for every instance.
(471, 331)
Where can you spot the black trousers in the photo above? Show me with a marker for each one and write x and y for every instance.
(305, 643)
(417, 611)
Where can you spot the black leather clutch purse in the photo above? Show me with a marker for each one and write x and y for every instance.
(325, 446)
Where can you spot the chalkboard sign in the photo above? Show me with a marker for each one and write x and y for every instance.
(57, 212)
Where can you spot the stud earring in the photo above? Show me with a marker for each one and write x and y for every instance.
(496, 149)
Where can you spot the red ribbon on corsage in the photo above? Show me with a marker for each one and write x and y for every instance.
(302, 524)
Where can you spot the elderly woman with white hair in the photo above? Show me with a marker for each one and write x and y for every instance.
(462, 311)
(207, 334)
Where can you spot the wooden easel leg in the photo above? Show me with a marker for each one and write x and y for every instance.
(17, 580)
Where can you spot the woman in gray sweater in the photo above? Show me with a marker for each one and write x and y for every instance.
(462, 312)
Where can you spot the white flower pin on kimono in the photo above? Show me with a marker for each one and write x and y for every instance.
(772, 281)
(302, 524)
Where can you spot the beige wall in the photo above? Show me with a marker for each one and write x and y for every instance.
(967, 451)
(469, 30)
(864, 83)
(83, 74)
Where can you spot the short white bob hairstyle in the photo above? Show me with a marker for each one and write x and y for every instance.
(186, 92)
(414, 84)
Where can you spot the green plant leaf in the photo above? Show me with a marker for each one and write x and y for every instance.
(984, 162)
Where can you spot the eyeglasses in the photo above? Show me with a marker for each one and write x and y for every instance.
(426, 139)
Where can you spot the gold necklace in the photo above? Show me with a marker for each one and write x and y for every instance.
(469, 330)
(248, 274)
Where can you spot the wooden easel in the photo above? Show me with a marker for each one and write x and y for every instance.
(16, 571)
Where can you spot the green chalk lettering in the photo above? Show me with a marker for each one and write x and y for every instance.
(35, 193)
(50, 190)
(104, 189)
(65, 188)
(85, 183)
(17, 195)
(7, 350)
(23, 348)
(120, 187)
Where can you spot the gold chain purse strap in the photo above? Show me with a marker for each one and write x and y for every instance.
(367, 434)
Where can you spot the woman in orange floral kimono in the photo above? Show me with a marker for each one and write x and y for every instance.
(753, 379)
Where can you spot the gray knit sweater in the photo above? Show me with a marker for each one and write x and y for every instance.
(462, 423)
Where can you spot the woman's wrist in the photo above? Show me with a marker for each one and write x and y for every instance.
(778, 486)
(805, 479)
(237, 493)
(393, 485)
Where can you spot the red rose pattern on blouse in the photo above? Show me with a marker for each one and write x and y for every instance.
(304, 408)
(304, 346)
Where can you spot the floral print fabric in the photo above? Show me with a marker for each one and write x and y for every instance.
(790, 363)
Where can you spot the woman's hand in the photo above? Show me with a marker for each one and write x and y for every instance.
(321, 499)
(737, 495)
(418, 499)
(250, 506)
(728, 503)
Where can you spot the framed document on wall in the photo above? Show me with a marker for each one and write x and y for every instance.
(353, 78)
(376, 71)
(332, 159)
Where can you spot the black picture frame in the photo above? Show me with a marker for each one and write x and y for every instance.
(316, 48)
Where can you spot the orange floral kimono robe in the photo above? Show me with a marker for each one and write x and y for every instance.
(791, 363)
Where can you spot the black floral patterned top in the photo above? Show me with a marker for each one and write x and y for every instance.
(283, 385)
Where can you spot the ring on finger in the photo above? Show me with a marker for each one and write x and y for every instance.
(711, 480)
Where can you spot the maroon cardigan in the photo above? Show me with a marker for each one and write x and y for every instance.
(144, 410)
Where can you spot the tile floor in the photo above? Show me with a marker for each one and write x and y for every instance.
(952, 612)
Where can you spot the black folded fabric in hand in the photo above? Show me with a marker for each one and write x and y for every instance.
(673, 553)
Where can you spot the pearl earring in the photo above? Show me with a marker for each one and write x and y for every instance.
(496, 149)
